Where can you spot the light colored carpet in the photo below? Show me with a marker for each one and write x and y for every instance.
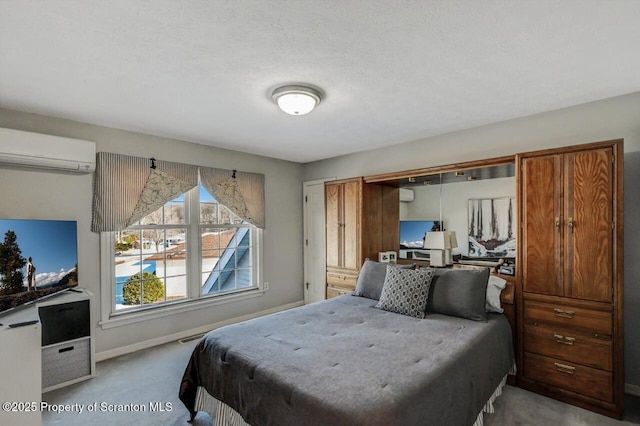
(152, 376)
(141, 378)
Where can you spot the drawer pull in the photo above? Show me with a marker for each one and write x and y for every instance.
(70, 348)
(564, 340)
(564, 368)
(563, 313)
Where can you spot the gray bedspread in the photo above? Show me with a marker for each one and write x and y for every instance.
(344, 362)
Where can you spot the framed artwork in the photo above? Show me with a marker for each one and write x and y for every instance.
(492, 231)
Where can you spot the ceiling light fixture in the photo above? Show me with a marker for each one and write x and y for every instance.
(296, 100)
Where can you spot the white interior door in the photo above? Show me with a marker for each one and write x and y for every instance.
(314, 241)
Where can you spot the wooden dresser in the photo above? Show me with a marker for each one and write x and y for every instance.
(361, 220)
(570, 284)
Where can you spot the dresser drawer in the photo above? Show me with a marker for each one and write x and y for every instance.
(596, 323)
(568, 345)
(570, 376)
(341, 279)
(337, 291)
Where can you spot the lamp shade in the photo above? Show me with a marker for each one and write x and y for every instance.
(437, 240)
(453, 241)
(296, 100)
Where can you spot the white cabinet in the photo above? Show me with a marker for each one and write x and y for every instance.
(53, 348)
(20, 360)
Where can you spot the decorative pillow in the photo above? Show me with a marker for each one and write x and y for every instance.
(405, 291)
(494, 288)
(371, 278)
(459, 293)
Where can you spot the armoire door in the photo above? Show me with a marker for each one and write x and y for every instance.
(351, 225)
(541, 224)
(333, 207)
(589, 225)
(342, 203)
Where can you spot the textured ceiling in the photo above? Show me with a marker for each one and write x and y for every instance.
(393, 71)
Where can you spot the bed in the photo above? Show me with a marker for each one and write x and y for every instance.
(345, 362)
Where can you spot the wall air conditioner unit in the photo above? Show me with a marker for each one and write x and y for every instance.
(406, 195)
(20, 149)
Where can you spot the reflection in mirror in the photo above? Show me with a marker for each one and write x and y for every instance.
(446, 197)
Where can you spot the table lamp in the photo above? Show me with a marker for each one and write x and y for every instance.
(437, 243)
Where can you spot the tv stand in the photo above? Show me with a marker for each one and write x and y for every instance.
(40, 368)
(67, 339)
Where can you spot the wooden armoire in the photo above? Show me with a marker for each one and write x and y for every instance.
(570, 275)
(361, 221)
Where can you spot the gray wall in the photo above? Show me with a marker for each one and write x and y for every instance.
(632, 266)
(612, 118)
(41, 195)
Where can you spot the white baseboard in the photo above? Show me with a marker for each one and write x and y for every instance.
(632, 389)
(111, 353)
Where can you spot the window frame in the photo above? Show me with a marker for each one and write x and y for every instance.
(194, 300)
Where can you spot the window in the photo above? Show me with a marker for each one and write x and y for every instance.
(151, 258)
(225, 247)
(191, 248)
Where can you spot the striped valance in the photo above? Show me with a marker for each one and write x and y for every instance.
(126, 189)
(240, 192)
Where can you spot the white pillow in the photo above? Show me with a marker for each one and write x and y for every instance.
(494, 288)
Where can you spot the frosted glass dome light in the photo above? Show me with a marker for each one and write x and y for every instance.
(296, 100)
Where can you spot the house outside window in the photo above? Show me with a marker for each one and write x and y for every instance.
(192, 248)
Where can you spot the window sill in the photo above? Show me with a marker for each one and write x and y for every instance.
(126, 318)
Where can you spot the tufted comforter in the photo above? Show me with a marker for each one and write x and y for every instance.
(344, 362)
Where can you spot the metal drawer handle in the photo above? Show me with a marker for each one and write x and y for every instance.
(564, 368)
(564, 340)
(563, 314)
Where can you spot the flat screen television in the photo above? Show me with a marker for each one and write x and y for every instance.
(412, 232)
(38, 258)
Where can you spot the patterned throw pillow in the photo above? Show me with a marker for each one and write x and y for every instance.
(406, 291)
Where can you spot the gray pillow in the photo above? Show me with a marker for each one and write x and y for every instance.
(459, 293)
(406, 291)
(371, 278)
